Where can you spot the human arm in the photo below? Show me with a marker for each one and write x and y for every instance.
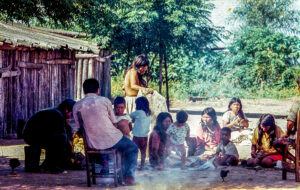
(290, 126)
(245, 123)
(253, 151)
(111, 113)
(134, 84)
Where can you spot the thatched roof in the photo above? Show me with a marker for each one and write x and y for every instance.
(16, 35)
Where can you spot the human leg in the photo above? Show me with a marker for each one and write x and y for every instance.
(129, 152)
(268, 162)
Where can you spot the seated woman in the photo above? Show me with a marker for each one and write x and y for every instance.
(208, 135)
(158, 138)
(263, 151)
(235, 119)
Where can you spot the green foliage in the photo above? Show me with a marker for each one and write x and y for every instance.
(262, 57)
(274, 14)
(59, 12)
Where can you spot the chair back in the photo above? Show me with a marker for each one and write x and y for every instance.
(82, 130)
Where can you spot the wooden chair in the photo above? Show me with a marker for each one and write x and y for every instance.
(90, 160)
(297, 151)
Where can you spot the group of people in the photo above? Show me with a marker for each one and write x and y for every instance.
(126, 125)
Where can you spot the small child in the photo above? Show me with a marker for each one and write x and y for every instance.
(177, 133)
(123, 120)
(142, 119)
(229, 154)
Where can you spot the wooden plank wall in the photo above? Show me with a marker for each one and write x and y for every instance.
(90, 66)
(42, 83)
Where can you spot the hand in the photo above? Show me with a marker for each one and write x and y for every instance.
(150, 90)
(253, 154)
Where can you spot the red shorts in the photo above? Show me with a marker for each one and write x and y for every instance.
(275, 157)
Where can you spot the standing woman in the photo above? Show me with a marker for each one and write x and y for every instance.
(134, 81)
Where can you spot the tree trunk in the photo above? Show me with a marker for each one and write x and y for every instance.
(167, 82)
(160, 72)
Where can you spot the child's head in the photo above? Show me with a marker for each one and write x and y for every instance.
(119, 105)
(266, 125)
(181, 117)
(143, 104)
(225, 135)
(209, 117)
(236, 106)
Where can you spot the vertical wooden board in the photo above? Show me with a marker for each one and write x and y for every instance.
(84, 74)
(75, 78)
(10, 112)
(18, 89)
(6, 95)
(1, 99)
(35, 84)
(79, 79)
(30, 84)
(106, 79)
(100, 76)
(41, 76)
(90, 68)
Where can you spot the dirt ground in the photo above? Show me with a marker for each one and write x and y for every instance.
(172, 178)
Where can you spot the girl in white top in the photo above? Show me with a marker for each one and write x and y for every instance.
(234, 117)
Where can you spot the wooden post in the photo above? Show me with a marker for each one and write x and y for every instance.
(2, 94)
(160, 72)
(167, 82)
(297, 147)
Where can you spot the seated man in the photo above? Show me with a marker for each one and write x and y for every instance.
(100, 127)
(289, 137)
(47, 129)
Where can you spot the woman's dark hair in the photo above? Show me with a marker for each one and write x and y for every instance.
(90, 86)
(181, 116)
(298, 81)
(212, 113)
(267, 120)
(143, 104)
(140, 61)
(240, 113)
(159, 126)
(67, 104)
(119, 100)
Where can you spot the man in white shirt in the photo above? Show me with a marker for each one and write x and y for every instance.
(100, 127)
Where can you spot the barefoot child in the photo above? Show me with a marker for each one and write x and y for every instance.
(123, 120)
(177, 133)
(142, 119)
(227, 153)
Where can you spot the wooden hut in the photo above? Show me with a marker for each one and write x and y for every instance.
(39, 69)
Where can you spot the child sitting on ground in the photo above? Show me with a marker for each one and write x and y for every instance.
(142, 119)
(177, 133)
(123, 120)
(226, 154)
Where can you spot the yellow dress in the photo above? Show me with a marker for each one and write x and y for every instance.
(265, 141)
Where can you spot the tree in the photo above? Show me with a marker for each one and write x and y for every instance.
(60, 12)
(274, 14)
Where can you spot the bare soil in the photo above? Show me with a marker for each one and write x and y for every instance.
(171, 178)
